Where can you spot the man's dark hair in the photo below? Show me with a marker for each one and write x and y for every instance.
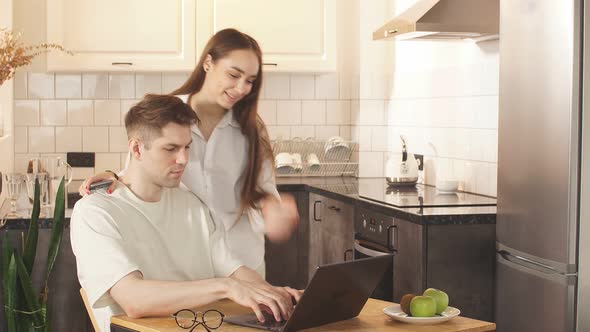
(146, 119)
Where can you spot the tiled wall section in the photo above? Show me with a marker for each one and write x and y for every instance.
(443, 96)
(59, 113)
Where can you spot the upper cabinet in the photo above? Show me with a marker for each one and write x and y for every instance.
(295, 36)
(115, 35)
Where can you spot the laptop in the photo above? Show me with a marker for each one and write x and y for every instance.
(336, 292)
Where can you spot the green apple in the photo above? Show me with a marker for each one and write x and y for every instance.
(423, 306)
(441, 298)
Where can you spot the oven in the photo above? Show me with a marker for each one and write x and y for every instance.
(375, 235)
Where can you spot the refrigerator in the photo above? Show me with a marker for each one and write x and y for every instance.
(542, 235)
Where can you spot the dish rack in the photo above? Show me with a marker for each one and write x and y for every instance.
(333, 159)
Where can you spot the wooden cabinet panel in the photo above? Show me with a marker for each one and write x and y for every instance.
(297, 36)
(112, 35)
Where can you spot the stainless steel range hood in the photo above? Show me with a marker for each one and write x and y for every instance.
(474, 20)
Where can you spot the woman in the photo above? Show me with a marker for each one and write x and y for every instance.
(231, 163)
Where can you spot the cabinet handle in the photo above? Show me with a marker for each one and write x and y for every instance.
(270, 64)
(337, 209)
(122, 63)
(315, 204)
(346, 252)
(392, 237)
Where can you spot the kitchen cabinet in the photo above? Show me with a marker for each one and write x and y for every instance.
(331, 231)
(131, 35)
(295, 36)
(324, 236)
(286, 263)
(408, 263)
(63, 284)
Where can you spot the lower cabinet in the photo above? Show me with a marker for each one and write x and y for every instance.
(66, 307)
(324, 236)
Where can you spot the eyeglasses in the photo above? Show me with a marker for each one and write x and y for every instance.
(188, 319)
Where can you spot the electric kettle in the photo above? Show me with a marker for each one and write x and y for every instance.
(402, 171)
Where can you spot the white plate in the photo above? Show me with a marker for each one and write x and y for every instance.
(395, 312)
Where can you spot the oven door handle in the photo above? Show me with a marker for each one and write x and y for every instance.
(369, 252)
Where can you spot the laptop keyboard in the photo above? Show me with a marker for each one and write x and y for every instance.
(269, 321)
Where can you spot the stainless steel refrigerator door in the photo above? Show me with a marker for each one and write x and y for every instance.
(583, 321)
(529, 300)
(537, 131)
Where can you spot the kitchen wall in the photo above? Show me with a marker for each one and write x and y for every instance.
(443, 96)
(59, 113)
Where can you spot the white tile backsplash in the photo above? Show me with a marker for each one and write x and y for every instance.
(338, 112)
(450, 103)
(302, 86)
(289, 112)
(68, 86)
(371, 164)
(279, 132)
(117, 139)
(326, 86)
(42, 139)
(41, 86)
(80, 112)
(325, 132)
(121, 86)
(372, 112)
(173, 81)
(26, 112)
(68, 139)
(147, 83)
(20, 85)
(379, 139)
(53, 113)
(303, 132)
(95, 86)
(107, 112)
(95, 139)
(110, 161)
(313, 112)
(126, 105)
(21, 140)
(267, 109)
(277, 86)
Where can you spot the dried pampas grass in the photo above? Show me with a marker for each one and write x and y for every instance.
(14, 53)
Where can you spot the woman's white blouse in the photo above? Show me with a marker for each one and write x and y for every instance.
(213, 173)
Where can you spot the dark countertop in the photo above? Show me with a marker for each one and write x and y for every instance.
(345, 189)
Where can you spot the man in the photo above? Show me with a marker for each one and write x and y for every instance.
(150, 248)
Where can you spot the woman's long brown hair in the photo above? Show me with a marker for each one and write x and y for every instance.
(244, 111)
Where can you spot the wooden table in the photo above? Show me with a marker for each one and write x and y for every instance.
(371, 318)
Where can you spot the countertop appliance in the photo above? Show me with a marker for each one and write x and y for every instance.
(542, 263)
(403, 170)
(378, 190)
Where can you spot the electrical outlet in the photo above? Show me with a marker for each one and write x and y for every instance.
(81, 159)
(420, 159)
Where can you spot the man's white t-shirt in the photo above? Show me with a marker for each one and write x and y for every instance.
(173, 239)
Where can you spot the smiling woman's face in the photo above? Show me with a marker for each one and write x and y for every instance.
(231, 78)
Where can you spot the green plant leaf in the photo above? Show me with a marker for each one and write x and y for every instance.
(47, 319)
(30, 294)
(10, 294)
(30, 249)
(56, 228)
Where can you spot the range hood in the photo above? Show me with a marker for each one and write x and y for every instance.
(475, 20)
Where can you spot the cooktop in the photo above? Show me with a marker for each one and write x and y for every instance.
(377, 189)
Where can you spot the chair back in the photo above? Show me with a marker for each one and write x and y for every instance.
(89, 309)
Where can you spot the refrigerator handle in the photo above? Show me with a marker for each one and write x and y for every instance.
(511, 257)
